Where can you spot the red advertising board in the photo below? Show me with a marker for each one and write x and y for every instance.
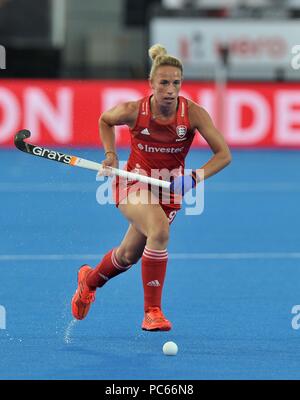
(66, 113)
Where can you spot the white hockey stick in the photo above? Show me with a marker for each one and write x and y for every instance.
(80, 162)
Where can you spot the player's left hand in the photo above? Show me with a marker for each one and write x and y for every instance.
(184, 183)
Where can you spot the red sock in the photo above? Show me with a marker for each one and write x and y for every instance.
(154, 265)
(107, 269)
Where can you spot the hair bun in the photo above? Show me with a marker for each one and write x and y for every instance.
(157, 50)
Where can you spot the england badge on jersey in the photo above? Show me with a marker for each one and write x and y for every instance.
(181, 131)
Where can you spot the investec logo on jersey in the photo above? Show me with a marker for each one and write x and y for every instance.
(154, 149)
(51, 155)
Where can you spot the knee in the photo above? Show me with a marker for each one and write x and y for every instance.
(127, 257)
(159, 232)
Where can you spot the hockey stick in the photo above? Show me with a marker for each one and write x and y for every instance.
(79, 162)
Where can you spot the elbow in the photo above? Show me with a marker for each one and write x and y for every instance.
(103, 118)
(226, 158)
(104, 122)
(100, 120)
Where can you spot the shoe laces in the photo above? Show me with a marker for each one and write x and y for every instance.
(156, 313)
(88, 295)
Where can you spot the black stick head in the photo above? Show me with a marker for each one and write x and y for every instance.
(21, 135)
(19, 139)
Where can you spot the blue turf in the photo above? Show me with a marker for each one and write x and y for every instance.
(232, 317)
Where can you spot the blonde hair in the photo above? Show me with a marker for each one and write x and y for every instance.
(160, 57)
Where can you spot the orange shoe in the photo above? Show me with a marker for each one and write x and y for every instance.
(155, 320)
(83, 296)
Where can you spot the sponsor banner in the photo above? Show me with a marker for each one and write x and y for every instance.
(252, 43)
(66, 113)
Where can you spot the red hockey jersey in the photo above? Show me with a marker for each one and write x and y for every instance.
(157, 145)
(159, 149)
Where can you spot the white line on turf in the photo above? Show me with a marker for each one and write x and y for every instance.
(46, 187)
(91, 187)
(173, 256)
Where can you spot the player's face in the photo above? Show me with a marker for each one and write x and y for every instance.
(166, 84)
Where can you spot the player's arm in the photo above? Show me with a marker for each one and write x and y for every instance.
(200, 120)
(122, 114)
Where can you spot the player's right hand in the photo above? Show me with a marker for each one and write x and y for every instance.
(111, 160)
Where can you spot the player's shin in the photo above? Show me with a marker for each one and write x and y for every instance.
(108, 268)
(154, 265)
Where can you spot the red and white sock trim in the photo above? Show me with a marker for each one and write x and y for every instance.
(157, 255)
(116, 263)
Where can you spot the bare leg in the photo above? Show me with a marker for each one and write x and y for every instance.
(148, 219)
(132, 246)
